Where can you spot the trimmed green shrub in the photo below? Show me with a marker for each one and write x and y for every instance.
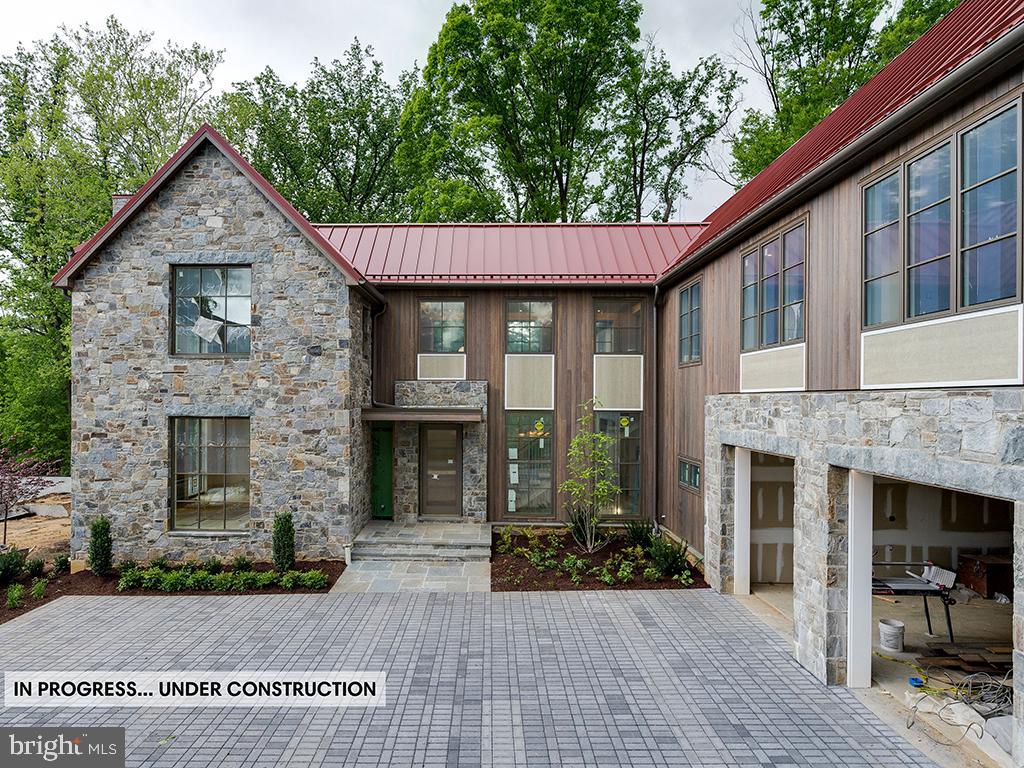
(241, 563)
(244, 581)
(314, 579)
(34, 567)
(101, 546)
(127, 565)
(174, 581)
(12, 563)
(61, 564)
(130, 579)
(190, 566)
(266, 579)
(161, 562)
(153, 578)
(284, 542)
(290, 579)
(200, 580)
(213, 566)
(222, 581)
(38, 590)
(15, 594)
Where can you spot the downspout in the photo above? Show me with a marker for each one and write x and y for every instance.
(374, 402)
(657, 421)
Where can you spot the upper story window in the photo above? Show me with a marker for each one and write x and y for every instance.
(529, 327)
(212, 310)
(442, 327)
(917, 263)
(773, 291)
(689, 323)
(618, 327)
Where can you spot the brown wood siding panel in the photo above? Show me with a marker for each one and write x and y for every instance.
(485, 361)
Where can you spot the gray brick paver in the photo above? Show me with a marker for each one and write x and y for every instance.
(666, 678)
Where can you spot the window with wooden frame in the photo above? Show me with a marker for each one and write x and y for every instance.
(529, 463)
(211, 310)
(689, 323)
(529, 327)
(210, 474)
(941, 231)
(618, 326)
(772, 304)
(624, 429)
(689, 474)
(442, 327)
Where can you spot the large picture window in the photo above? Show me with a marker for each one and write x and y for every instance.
(689, 324)
(529, 476)
(442, 327)
(210, 474)
(618, 327)
(772, 303)
(921, 260)
(212, 310)
(624, 428)
(529, 327)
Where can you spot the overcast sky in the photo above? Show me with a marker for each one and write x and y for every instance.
(287, 36)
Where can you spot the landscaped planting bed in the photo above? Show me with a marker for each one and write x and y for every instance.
(531, 559)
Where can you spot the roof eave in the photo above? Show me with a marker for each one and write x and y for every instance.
(987, 64)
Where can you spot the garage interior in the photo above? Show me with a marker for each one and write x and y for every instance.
(771, 530)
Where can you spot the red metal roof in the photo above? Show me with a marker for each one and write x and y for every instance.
(510, 253)
(205, 133)
(961, 35)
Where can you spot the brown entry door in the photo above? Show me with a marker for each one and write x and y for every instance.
(440, 470)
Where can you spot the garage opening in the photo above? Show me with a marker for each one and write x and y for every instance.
(942, 579)
(771, 530)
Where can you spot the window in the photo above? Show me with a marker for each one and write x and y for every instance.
(689, 474)
(773, 292)
(921, 273)
(212, 310)
(528, 327)
(689, 324)
(442, 327)
(530, 486)
(625, 455)
(211, 474)
(618, 327)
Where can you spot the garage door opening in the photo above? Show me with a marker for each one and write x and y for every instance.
(771, 531)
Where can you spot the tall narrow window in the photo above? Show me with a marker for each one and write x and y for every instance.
(882, 252)
(529, 327)
(773, 291)
(212, 310)
(618, 327)
(210, 474)
(928, 235)
(442, 327)
(624, 429)
(529, 463)
(988, 210)
(689, 324)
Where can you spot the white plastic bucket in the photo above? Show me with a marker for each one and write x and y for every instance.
(890, 634)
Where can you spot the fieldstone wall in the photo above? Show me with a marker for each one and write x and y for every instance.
(968, 440)
(474, 446)
(302, 386)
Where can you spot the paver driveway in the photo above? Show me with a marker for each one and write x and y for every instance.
(657, 678)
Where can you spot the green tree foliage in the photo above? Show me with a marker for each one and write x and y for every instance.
(810, 55)
(84, 114)
(329, 145)
(665, 125)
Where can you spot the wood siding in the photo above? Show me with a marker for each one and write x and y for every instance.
(397, 333)
(833, 311)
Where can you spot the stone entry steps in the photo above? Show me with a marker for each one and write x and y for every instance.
(425, 542)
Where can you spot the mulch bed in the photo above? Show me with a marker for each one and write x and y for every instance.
(88, 583)
(514, 573)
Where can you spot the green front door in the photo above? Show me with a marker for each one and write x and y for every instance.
(382, 471)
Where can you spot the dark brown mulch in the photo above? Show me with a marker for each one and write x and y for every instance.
(514, 573)
(88, 583)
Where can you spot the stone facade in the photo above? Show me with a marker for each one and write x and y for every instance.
(968, 440)
(474, 446)
(302, 386)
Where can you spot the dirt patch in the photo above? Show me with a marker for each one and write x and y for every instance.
(515, 573)
(43, 537)
(88, 583)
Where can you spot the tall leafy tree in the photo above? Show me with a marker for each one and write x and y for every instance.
(328, 145)
(665, 125)
(810, 55)
(534, 82)
(85, 114)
